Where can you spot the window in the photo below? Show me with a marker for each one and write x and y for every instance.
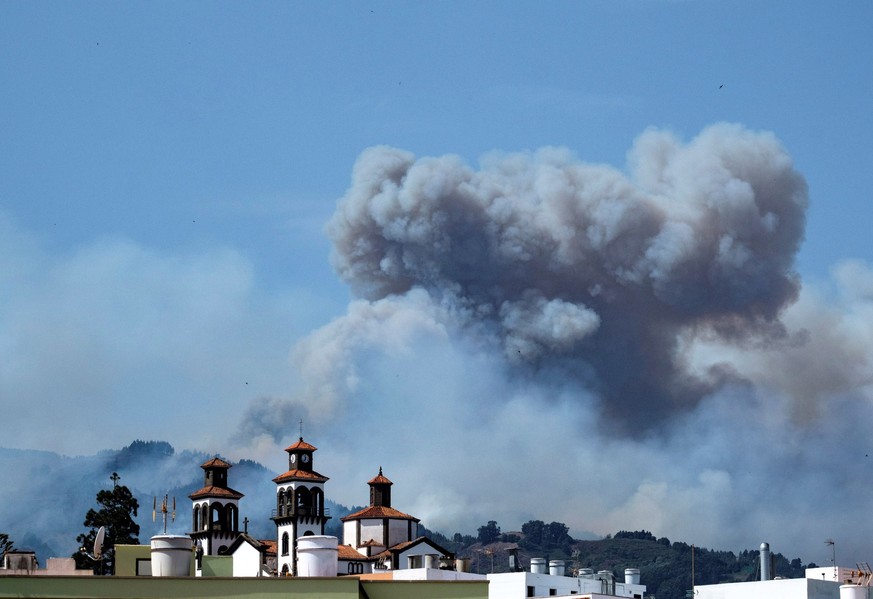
(285, 543)
(553, 592)
(530, 591)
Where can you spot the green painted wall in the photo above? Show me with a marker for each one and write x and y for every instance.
(126, 557)
(144, 587)
(218, 565)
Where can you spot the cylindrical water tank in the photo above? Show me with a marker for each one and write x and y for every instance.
(556, 567)
(852, 591)
(171, 555)
(632, 576)
(586, 573)
(462, 564)
(430, 560)
(317, 555)
(538, 565)
(765, 561)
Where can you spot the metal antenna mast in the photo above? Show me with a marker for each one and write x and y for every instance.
(164, 510)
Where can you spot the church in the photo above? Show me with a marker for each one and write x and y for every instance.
(376, 538)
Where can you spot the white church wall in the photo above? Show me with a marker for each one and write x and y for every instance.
(246, 561)
(398, 532)
(371, 530)
(350, 534)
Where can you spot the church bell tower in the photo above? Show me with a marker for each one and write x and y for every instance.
(215, 513)
(300, 507)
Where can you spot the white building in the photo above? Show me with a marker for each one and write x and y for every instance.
(819, 583)
(379, 537)
(537, 583)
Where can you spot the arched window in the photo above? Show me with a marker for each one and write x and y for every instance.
(304, 501)
(204, 517)
(308, 533)
(285, 570)
(285, 549)
(196, 519)
(232, 517)
(280, 503)
(216, 513)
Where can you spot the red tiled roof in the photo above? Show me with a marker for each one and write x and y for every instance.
(379, 479)
(300, 444)
(378, 511)
(300, 475)
(349, 552)
(270, 544)
(216, 462)
(371, 543)
(211, 491)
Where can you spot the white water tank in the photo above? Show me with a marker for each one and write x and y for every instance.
(556, 567)
(852, 591)
(462, 564)
(538, 565)
(317, 555)
(586, 573)
(171, 555)
(632, 576)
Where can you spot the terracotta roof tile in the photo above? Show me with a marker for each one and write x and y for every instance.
(379, 479)
(270, 544)
(378, 511)
(215, 492)
(349, 552)
(297, 474)
(301, 444)
(216, 462)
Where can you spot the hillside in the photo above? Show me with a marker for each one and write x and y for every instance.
(665, 566)
(45, 513)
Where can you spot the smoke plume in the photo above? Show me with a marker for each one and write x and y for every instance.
(511, 319)
(580, 269)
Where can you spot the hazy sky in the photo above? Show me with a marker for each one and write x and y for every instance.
(602, 262)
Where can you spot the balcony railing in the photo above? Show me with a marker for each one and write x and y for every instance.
(299, 511)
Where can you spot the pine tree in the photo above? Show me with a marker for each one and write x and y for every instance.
(119, 507)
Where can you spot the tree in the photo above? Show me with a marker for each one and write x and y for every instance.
(489, 533)
(119, 506)
(5, 543)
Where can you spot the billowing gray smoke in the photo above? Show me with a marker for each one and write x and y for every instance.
(584, 270)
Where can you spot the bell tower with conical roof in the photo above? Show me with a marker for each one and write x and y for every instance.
(215, 521)
(380, 490)
(300, 507)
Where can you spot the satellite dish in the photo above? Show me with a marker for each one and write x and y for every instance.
(98, 542)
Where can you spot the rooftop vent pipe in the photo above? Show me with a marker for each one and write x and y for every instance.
(765, 561)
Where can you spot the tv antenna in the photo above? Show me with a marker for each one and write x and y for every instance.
(164, 510)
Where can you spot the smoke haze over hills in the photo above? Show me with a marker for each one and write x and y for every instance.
(536, 338)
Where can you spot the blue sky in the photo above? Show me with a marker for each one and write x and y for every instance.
(167, 171)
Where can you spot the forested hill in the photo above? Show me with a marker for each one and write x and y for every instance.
(665, 566)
